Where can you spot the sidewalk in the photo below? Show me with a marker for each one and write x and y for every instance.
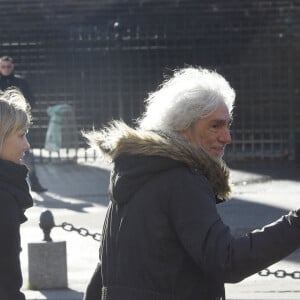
(78, 195)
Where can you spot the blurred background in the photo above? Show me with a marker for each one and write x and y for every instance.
(104, 57)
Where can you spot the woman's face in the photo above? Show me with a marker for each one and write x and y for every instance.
(14, 146)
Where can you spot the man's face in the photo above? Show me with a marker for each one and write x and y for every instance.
(211, 133)
(6, 68)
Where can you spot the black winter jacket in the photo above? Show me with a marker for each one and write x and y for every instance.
(163, 238)
(14, 200)
(19, 82)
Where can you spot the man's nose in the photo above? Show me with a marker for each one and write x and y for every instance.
(225, 136)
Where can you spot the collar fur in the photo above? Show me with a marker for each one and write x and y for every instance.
(118, 138)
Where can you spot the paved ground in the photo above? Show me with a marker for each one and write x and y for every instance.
(77, 194)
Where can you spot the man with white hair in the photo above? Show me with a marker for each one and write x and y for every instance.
(163, 238)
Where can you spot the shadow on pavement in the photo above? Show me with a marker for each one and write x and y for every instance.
(275, 169)
(50, 200)
(244, 216)
(238, 213)
(72, 186)
(63, 294)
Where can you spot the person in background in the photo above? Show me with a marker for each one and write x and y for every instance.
(15, 196)
(9, 79)
(163, 237)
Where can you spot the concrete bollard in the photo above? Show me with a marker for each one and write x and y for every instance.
(47, 261)
(47, 265)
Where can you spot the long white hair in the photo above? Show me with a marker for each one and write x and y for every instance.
(192, 93)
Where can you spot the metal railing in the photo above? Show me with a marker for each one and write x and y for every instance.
(104, 58)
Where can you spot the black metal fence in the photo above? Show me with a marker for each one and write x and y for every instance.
(103, 57)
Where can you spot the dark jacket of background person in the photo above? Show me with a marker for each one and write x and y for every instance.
(15, 199)
(14, 80)
(163, 238)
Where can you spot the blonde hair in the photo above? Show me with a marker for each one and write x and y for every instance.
(14, 113)
(191, 94)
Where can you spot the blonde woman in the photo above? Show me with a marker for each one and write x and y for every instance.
(14, 191)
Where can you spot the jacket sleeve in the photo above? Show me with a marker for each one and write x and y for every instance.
(93, 291)
(10, 270)
(209, 241)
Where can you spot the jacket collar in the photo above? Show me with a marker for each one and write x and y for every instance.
(13, 179)
(119, 139)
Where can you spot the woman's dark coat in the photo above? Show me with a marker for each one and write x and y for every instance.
(163, 238)
(14, 199)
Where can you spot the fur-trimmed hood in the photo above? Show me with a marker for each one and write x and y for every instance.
(120, 143)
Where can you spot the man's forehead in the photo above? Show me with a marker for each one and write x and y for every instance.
(223, 119)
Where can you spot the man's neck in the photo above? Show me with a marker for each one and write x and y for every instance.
(7, 76)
